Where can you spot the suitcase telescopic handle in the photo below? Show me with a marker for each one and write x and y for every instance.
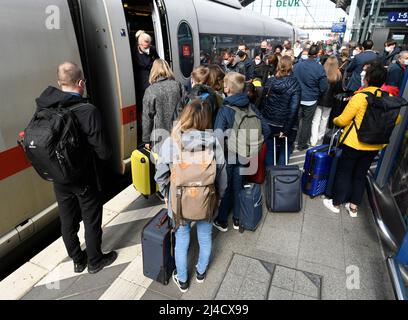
(162, 221)
(336, 133)
(286, 150)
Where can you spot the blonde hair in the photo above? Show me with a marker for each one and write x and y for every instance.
(235, 82)
(141, 36)
(285, 67)
(195, 115)
(200, 75)
(160, 69)
(331, 66)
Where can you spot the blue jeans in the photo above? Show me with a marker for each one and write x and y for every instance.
(231, 196)
(280, 149)
(204, 235)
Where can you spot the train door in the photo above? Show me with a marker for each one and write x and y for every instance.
(184, 37)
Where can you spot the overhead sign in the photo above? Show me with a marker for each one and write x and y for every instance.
(398, 17)
(339, 27)
(287, 3)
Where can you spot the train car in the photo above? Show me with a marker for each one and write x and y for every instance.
(99, 35)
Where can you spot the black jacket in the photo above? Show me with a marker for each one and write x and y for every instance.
(395, 75)
(390, 57)
(328, 100)
(88, 116)
(143, 64)
(280, 103)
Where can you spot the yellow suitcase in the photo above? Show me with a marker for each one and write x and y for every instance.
(143, 171)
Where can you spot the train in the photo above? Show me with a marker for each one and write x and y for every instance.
(98, 35)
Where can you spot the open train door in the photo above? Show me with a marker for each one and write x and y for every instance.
(184, 36)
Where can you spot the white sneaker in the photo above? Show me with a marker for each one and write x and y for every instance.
(352, 213)
(328, 203)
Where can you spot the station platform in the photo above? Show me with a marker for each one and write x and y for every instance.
(311, 255)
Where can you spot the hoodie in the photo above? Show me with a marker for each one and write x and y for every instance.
(281, 102)
(190, 141)
(88, 117)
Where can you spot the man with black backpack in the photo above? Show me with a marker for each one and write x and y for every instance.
(368, 120)
(60, 141)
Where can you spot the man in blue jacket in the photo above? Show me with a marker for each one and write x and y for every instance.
(356, 65)
(313, 82)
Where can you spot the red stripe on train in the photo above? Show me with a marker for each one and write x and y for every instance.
(128, 114)
(12, 161)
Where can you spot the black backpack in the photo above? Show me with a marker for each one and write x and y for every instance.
(55, 145)
(380, 118)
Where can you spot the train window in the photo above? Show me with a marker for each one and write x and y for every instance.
(186, 49)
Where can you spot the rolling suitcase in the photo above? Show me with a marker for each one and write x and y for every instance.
(316, 170)
(157, 248)
(283, 186)
(251, 207)
(143, 171)
(335, 152)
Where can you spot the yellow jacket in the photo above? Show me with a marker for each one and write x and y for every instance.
(356, 109)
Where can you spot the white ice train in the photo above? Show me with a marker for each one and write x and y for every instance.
(37, 35)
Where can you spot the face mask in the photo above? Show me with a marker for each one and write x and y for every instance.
(388, 49)
(406, 62)
(263, 49)
(355, 52)
(226, 62)
(362, 74)
(304, 57)
(257, 61)
(147, 51)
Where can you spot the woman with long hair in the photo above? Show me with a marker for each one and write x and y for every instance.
(159, 102)
(280, 105)
(327, 101)
(190, 135)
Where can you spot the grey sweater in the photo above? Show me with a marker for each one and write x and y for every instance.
(191, 140)
(159, 102)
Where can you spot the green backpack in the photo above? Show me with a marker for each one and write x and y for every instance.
(246, 137)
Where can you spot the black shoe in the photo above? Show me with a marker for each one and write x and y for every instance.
(80, 265)
(235, 223)
(183, 286)
(200, 277)
(107, 260)
(223, 227)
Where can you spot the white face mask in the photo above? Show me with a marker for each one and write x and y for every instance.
(147, 51)
(304, 57)
(388, 49)
(226, 62)
(257, 61)
(362, 74)
(406, 62)
(355, 52)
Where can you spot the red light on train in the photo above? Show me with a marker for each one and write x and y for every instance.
(186, 50)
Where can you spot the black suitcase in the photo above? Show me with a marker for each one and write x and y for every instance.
(157, 248)
(335, 152)
(283, 186)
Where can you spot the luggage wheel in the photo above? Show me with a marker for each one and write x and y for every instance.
(241, 229)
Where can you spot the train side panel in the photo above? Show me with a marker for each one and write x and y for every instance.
(36, 36)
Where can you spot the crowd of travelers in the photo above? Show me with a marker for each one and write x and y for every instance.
(294, 91)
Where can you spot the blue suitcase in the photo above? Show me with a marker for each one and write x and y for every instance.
(316, 170)
(157, 248)
(250, 198)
